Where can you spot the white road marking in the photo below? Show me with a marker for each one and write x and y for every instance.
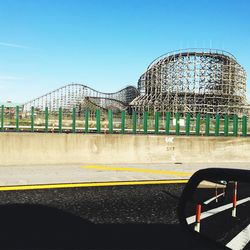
(240, 240)
(214, 211)
(212, 199)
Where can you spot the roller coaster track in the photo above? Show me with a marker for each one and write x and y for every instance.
(81, 96)
(204, 81)
(106, 103)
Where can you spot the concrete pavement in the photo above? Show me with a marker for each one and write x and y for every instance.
(77, 173)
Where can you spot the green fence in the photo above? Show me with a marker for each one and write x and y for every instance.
(99, 121)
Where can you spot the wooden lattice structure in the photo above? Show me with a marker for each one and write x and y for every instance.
(82, 97)
(193, 81)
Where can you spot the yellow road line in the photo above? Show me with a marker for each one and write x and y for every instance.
(91, 184)
(139, 170)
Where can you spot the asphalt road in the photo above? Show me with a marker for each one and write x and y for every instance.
(115, 217)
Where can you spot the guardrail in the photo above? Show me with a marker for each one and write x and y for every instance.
(108, 122)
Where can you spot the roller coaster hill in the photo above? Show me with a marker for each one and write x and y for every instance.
(193, 81)
(190, 81)
(82, 98)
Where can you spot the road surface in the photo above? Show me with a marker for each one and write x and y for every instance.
(114, 217)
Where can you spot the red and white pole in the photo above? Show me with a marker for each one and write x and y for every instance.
(198, 218)
(234, 200)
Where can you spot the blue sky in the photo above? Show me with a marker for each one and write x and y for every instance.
(108, 44)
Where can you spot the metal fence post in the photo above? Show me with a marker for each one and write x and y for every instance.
(156, 122)
(217, 125)
(73, 120)
(98, 121)
(134, 117)
(198, 124)
(32, 119)
(207, 131)
(235, 125)
(86, 121)
(2, 118)
(123, 122)
(244, 126)
(46, 119)
(226, 123)
(145, 122)
(188, 116)
(167, 128)
(60, 120)
(17, 118)
(110, 119)
(177, 124)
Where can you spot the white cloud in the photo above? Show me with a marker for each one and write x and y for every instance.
(12, 45)
(10, 78)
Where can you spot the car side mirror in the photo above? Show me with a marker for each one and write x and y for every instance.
(216, 205)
